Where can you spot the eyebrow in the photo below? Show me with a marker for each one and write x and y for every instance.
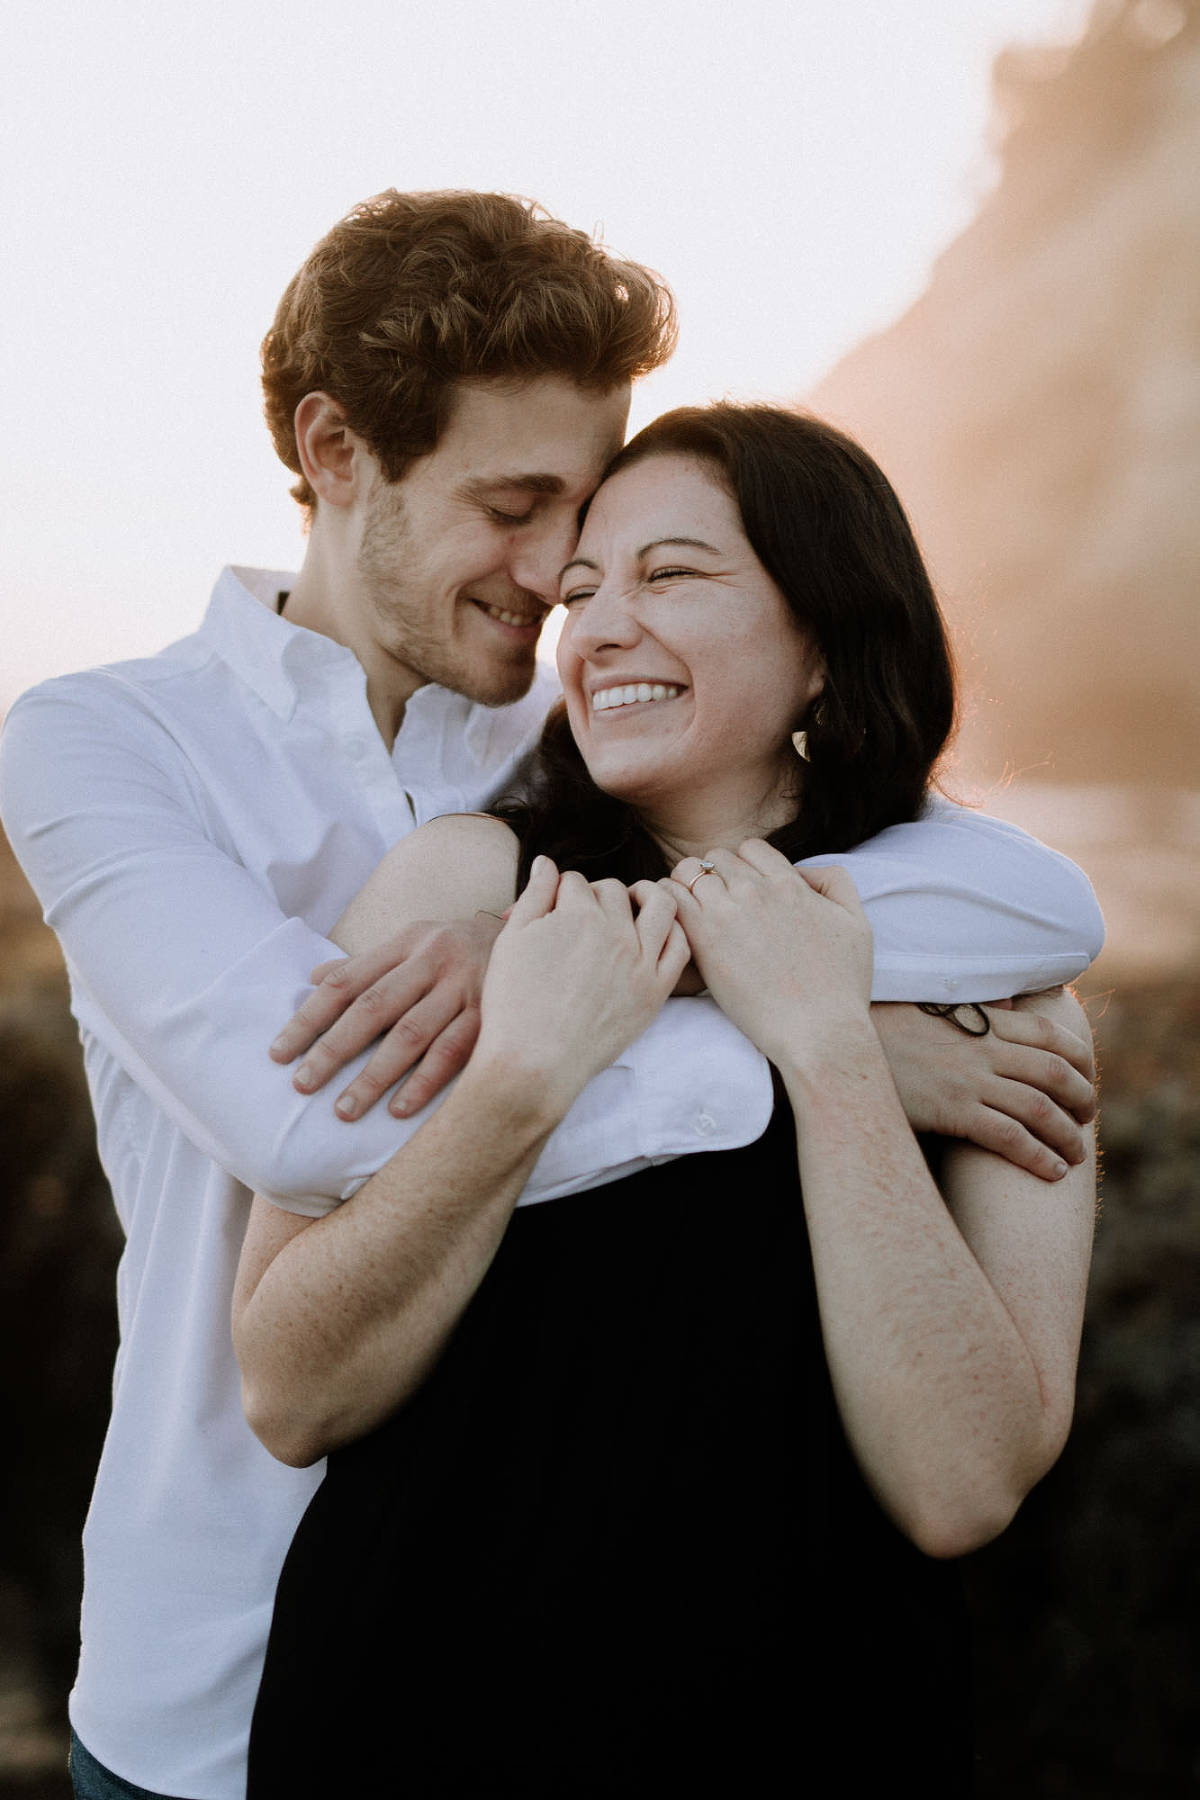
(687, 543)
(532, 484)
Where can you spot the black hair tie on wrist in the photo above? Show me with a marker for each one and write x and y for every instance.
(939, 1010)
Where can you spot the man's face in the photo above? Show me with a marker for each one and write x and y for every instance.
(458, 562)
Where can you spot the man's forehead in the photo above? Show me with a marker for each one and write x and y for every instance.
(533, 433)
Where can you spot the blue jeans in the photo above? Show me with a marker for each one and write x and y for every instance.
(92, 1781)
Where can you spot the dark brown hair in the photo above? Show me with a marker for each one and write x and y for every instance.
(826, 525)
(412, 293)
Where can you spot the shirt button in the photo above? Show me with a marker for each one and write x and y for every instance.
(704, 1124)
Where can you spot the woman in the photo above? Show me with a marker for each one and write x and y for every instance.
(672, 1469)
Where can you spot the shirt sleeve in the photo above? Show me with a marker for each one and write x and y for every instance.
(966, 907)
(181, 962)
(183, 965)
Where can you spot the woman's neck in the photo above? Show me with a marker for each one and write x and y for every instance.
(696, 827)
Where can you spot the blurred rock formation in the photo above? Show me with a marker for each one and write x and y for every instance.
(1039, 411)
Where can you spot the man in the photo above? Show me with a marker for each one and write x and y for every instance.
(447, 376)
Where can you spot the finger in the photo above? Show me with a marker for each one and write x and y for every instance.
(574, 888)
(729, 867)
(1007, 1137)
(686, 905)
(763, 856)
(363, 1022)
(655, 922)
(613, 897)
(407, 1041)
(836, 885)
(691, 875)
(445, 1058)
(1055, 1076)
(1041, 1116)
(336, 985)
(1029, 1027)
(326, 968)
(666, 890)
(537, 897)
(675, 954)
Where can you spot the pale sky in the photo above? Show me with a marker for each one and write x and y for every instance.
(792, 167)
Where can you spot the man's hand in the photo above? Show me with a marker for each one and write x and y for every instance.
(418, 992)
(1023, 1090)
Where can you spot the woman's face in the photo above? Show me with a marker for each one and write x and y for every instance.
(684, 671)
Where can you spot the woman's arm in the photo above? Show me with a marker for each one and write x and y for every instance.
(951, 1327)
(336, 1321)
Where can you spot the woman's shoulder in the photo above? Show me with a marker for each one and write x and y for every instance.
(488, 842)
(453, 866)
(477, 829)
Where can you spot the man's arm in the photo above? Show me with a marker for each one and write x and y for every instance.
(966, 907)
(181, 959)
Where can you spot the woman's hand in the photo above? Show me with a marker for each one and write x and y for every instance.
(1024, 1089)
(575, 975)
(781, 950)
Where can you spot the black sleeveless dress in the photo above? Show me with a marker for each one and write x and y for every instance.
(617, 1544)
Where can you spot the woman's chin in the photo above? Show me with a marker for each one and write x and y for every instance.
(636, 786)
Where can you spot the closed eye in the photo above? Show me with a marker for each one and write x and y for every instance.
(666, 574)
(506, 518)
(577, 593)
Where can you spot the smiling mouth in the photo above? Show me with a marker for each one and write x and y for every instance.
(634, 693)
(523, 621)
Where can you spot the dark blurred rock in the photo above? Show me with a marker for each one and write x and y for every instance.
(1088, 1608)
(59, 1244)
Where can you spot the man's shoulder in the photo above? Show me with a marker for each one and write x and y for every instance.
(145, 707)
(117, 684)
(949, 827)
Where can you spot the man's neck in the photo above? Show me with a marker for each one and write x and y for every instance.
(320, 600)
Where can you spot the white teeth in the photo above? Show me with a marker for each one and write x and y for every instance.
(632, 694)
(508, 618)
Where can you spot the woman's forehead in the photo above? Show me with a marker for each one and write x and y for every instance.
(667, 488)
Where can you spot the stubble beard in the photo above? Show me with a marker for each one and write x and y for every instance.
(401, 619)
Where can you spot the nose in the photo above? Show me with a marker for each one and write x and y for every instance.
(539, 553)
(606, 620)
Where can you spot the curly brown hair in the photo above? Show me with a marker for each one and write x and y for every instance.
(411, 293)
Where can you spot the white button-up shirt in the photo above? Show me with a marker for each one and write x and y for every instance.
(194, 824)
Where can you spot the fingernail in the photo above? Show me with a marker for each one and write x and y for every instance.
(399, 1109)
(1060, 1169)
(279, 1046)
(346, 1107)
(303, 1077)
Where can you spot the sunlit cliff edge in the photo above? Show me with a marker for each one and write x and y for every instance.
(1039, 410)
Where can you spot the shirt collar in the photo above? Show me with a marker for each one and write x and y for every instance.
(267, 652)
(280, 661)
